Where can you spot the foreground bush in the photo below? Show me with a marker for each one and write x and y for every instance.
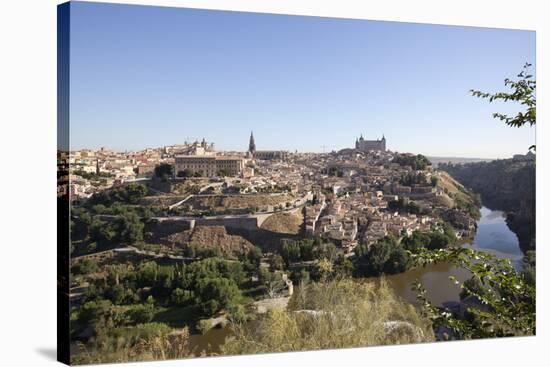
(145, 342)
(338, 314)
(506, 299)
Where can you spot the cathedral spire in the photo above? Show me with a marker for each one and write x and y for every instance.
(251, 144)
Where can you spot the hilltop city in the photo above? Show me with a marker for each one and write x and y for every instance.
(373, 191)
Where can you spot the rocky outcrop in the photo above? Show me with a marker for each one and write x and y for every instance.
(508, 185)
(289, 223)
(210, 238)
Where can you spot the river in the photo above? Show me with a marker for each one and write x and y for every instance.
(493, 236)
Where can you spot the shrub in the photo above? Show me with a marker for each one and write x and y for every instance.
(204, 325)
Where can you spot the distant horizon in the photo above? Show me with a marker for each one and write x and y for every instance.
(291, 151)
(299, 82)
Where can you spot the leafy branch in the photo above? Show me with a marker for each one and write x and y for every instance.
(523, 91)
(508, 302)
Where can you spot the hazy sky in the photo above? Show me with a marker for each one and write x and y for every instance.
(144, 76)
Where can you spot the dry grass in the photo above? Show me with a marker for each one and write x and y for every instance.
(340, 314)
(209, 237)
(284, 223)
(160, 347)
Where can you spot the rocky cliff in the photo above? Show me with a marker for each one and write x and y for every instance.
(508, 185)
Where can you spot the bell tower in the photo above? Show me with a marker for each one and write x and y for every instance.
(252, 144)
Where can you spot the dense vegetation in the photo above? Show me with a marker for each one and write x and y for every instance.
(110, 218)
(164, 171)
(413, 178)
(416, 162)
(307, 250)
(91, 234)
(435, 240)
(386, 257)
(92, 175)
(129, 194)
(135, 301)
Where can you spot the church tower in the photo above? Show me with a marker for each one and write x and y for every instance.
(252, 144)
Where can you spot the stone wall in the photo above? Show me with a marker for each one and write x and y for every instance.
(167, 227)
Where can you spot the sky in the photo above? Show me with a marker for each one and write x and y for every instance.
(144, 76)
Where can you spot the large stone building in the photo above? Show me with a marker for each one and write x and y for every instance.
(264, 154)
(210, 166)
(268, 155)
(196, 148)
(367, 145)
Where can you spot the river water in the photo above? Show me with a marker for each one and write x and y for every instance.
(493, 236)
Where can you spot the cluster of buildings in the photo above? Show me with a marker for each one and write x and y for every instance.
(352, 189)
(207, 163)
(347, 192)
(95, 170)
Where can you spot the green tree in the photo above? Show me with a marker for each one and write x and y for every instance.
(164, 170)
(92, 312)
(398, 261)
(102, 232)
(276, 262)
(416, 162)
(325, 251)
(116, 293)
(134, 192)
(290, 252)
(343, 267)
(85, 266)
(387, 256)
(255, 256)
(416, 241)
(147, 274)
(237, 314)
(438, 240)
(204, 325)
(182, 297)
(217, 293)
(323, 270)
(142, 313)
(130, 228)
